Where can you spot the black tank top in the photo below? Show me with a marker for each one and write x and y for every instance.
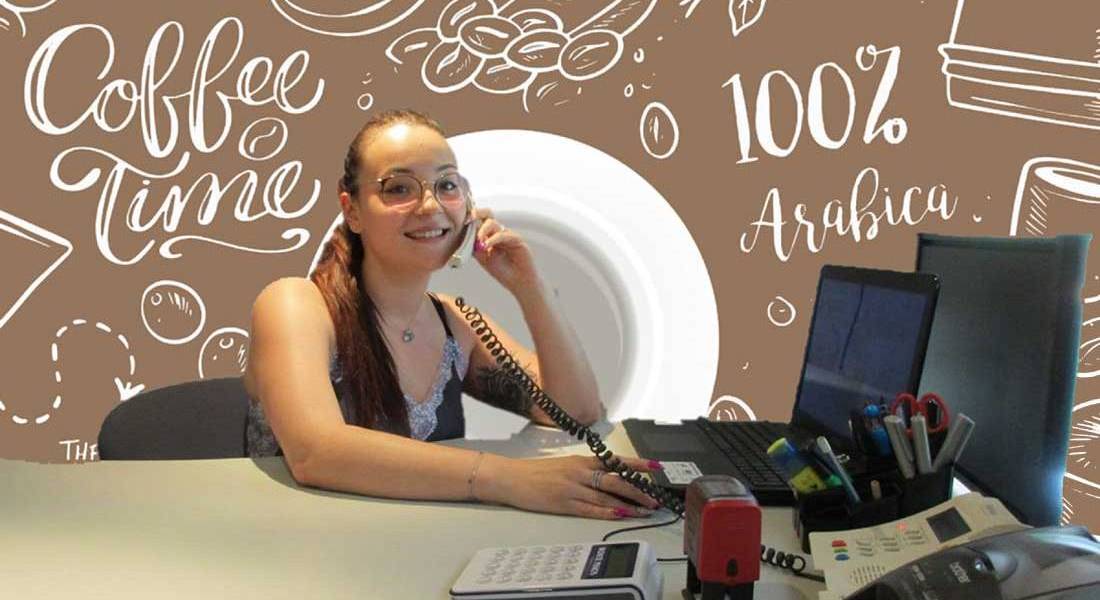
(440, 417)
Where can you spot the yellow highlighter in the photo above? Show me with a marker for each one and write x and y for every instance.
(800, 474)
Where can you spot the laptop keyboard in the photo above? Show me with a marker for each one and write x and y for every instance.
(746, 443)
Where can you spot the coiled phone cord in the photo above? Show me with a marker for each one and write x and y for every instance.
(560, 417)
(792, 562)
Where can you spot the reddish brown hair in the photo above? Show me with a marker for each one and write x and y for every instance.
(369, 374)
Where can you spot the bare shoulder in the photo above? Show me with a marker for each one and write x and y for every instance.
(290, 315)
(294, 297)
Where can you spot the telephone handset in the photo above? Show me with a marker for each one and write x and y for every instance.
(465, 250)
(559, 416)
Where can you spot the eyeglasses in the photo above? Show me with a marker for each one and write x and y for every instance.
(406, 192)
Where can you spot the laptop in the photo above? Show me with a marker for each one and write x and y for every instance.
(867, 339)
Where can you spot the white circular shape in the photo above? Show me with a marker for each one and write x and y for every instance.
(228, 343)
(246, 145)
(1081, 185)
(179, 312)
(739, 403)
(628, 91)
(781, 312)
(632, 281)
(639, 55)
(649, 125)
(369, 98)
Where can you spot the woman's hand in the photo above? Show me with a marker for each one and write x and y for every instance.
(565, 485)
(504, 254)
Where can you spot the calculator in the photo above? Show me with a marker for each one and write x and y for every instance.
(624, 570)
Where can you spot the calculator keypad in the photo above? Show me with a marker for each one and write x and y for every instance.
(533, 564)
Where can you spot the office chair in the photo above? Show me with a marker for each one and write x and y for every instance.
(1004, 350)
(196, 419)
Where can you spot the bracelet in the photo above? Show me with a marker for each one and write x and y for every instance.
(473, 476)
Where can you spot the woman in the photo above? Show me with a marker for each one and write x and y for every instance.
(345, 369)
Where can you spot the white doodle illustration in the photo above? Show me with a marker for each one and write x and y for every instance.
(781, 312)
(126, 388)
(1088, 362)
(745, 13)
(19, 8)
(40, 251)
(691, 5)
(365, 100)
(364, 18)
(1059, 195)
(1036, 81)
(224, 353)
(730, 408)
(659, 130)
(1083, 460)
(173, 312)
(542, 48)
(148, 203)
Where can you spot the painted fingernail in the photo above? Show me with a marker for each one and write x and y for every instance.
(621, 512)
(654, 464)
(479, 245)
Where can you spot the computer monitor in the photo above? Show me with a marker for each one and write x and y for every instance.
(1003, 350)
(866, 344)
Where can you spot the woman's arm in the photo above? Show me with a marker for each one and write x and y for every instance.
(291, 341)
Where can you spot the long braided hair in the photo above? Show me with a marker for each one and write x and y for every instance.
(369, 374)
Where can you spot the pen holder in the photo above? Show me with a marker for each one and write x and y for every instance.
(830, 510)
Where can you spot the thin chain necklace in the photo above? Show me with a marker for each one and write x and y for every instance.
(407, 334)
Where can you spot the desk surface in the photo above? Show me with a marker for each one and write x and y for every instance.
(242, 528)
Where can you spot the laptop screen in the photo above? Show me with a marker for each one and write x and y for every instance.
(867, 340)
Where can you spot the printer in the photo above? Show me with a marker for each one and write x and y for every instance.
(1048, 563)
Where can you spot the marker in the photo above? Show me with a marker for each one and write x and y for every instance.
(896, 430)
(920, 444)
(800, 475)
(826, 452)
(957, 436)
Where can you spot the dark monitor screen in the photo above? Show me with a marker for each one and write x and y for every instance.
(867, 339)
(996, 353)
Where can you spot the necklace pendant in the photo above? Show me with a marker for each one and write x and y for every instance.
(407, 336)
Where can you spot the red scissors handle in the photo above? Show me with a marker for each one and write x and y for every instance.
(911, 406)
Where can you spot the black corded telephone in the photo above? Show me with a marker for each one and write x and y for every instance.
(567, 423)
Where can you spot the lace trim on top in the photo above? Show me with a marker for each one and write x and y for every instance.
(422, 415)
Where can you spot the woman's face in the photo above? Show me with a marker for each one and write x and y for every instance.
(395, 234)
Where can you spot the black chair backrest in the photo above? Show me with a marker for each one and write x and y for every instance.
(196, 419)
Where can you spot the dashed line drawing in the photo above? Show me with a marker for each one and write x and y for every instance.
(984, 77)
(224, 353)
(173, 312)
(1057, 195)
(126, 389)
(730, 408)
(41, 251)
(369, 17)
(745, 14)
(659, 131)
(17, 11)
(781, 312)
(541, 48)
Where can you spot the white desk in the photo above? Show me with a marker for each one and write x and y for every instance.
(241, 528)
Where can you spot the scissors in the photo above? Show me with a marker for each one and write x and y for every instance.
(938, 417)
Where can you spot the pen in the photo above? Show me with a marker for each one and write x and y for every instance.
(896, 430)
(920, 444)
(827, 452)
(957, 436)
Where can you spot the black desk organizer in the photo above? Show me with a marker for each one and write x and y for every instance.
(830, 510)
